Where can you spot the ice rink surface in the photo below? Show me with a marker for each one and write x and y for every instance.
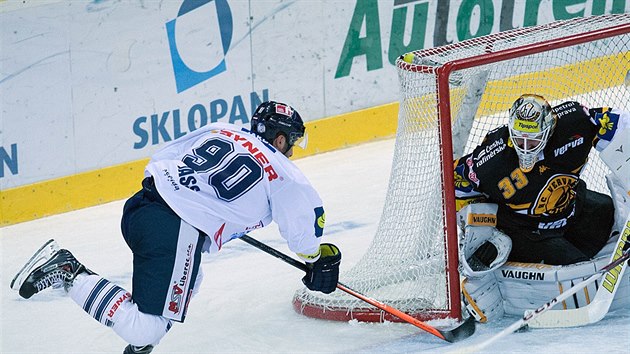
(244, 304)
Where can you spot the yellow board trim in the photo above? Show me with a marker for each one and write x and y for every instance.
(86, 189)
(350, 129)
(69, 193)
(589, 72)
(118, 182)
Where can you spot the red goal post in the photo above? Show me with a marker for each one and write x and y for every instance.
(451, 96)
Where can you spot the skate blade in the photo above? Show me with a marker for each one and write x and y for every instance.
(41, 256)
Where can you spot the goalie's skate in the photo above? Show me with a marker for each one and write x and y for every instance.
(59, 270)
(42, 255)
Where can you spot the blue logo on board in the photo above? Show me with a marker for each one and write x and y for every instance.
(185, 76)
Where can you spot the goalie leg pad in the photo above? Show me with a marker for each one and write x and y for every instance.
(615, 156)
(526, 286)
(621, 201)
(483, 298)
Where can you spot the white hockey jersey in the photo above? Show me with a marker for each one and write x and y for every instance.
(226, 181)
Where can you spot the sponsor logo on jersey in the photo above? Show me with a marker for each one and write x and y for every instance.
(176, 299)
(119, 301)
(611, 278)
(564, 109)
(553, 224)
(556, 196)
(520, 274)
(259, 225)
(257, 153)
(570, 145)
(175, 305)
(489, 152)
(170, 179)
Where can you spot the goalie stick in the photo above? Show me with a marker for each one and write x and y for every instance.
(598, 308)
(462, 331)
(530, 315)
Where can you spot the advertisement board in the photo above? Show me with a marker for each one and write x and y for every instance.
(87, 85)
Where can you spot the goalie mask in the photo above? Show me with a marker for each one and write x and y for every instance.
(274, 118)
(530, 125)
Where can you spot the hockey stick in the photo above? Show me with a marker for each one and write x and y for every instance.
(598, 308)
(530, 315)
(462, 331)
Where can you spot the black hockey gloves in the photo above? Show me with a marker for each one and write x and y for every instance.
(324, 273)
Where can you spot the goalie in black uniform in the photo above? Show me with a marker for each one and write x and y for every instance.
(526, 177)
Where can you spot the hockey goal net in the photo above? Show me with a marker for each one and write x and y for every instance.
(451, 96)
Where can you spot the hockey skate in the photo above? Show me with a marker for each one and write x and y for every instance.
(59, 270)
(42, 255)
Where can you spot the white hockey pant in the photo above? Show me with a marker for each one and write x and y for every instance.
(111, 305)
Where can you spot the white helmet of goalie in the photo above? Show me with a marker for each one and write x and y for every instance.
(531, 124)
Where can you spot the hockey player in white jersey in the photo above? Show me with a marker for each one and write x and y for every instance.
(200, 191)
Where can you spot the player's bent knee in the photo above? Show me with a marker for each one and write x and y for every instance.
(138, 328)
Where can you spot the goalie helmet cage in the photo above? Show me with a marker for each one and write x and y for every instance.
(451, 96)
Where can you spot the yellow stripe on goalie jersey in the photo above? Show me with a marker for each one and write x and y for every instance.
(460, 203)
(524, 206)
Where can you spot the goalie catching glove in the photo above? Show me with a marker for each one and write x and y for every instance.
(482, 248)
(323, 274)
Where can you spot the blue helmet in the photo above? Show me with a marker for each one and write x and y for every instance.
(274, 118)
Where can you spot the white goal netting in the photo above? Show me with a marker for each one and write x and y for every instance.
(450, 98)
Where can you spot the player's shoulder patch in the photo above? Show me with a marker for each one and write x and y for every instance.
(320, 220)
(607, 121)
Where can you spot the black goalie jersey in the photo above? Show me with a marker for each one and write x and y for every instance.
(543, 198)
